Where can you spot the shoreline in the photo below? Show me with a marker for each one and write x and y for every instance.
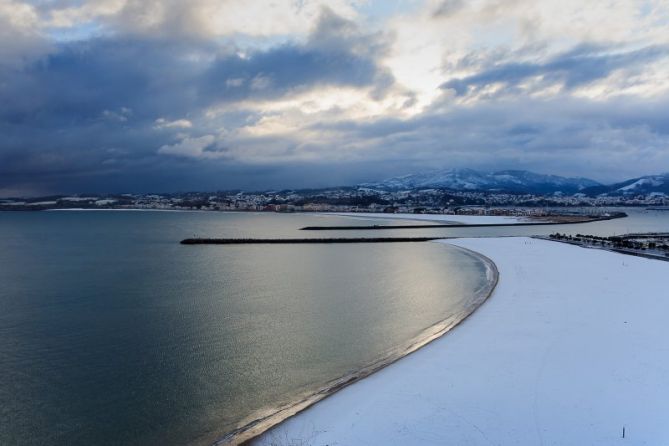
(258, 424)
(541, 363)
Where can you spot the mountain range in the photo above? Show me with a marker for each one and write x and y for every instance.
(646, 185)
(521, 181)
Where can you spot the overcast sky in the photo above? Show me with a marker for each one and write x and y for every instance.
(169, 95)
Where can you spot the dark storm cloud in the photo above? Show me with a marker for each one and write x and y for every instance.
(90, 107)
(577, 67)
(83, 79)
(336, 53)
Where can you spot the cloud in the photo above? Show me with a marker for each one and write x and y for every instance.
(565, 136)
(336, 52)
(580, 66)
(193, 19)
(162, 123)
(20, 39)
(447, 8)
(84, 78)
(120, 115)
(191, 147)
(165, 94)
(89, 96)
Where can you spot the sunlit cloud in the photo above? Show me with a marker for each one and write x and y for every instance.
(162, 123)
(191, 147)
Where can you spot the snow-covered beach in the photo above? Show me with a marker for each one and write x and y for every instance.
(571, 348)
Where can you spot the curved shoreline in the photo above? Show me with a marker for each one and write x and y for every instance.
(260, 423)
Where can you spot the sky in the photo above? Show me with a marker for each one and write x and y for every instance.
(170, 95)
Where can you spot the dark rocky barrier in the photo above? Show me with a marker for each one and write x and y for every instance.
(563, 220)
(273, 241)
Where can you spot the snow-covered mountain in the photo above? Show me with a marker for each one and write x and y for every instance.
(504, 180)
(650, 184)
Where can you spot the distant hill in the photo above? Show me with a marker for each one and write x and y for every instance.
(515, 181)
(637, 186)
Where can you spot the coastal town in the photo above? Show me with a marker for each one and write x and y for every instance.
(649, 245)
(345, 199)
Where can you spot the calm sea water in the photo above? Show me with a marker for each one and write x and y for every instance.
(113, 333)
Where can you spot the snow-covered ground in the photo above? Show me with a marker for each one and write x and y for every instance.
(465, 219)
(572, 346)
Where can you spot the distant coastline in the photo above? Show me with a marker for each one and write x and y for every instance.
(558, 220)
